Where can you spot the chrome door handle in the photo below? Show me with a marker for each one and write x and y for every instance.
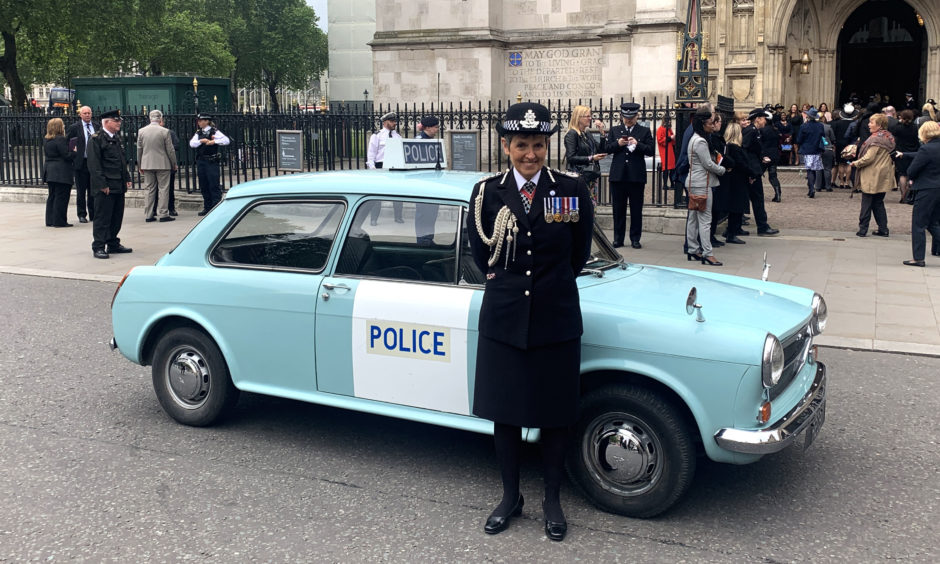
(329, 286)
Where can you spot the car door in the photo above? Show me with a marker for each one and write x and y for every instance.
(263, 295)
(396, 321)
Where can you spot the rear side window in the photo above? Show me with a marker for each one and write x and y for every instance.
(291, 235)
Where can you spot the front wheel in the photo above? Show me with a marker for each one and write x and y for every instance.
(191, 379)
(632, 452)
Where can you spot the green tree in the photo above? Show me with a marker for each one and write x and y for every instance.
(176, 36)
(282, 46)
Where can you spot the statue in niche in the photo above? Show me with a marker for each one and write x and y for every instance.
(691, 58)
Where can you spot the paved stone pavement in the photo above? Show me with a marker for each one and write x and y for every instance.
(875, 302)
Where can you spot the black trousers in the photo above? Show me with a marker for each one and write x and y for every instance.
(84, 204)
(755, 193)
(57, 204)
(771, 170)
(622, 194)
(209, 175)
(873, 204)
(171, 201)
(734, 224)
(109, 215)
(925, 215)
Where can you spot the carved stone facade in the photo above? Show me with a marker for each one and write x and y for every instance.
(482, 50)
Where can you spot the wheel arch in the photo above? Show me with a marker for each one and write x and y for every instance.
(591, 381)
(168, 323)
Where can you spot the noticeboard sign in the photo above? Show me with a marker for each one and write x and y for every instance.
(414, 153)
(464, 150)
(290, 150)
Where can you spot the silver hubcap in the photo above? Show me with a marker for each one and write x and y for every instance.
(623, 454)
(187, 376)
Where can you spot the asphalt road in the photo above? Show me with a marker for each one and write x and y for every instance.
(93, 470)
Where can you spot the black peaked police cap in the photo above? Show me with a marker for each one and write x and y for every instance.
(527, 118)
(112, 114)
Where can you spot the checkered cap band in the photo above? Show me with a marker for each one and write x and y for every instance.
(516, 125)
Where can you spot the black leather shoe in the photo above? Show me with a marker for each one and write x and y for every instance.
(915, 263)
(173, 213)
(100, 253)
(150, 219)
(202, 213)
(82, 220)
(119, 248)
(167, 218)
(717, 243)
(935, 253)
(735, 241)
(636, 245)
(63, 225)
(862, 233)
(555, 531)
(498, 523)
(880, 233)
(768, 232)
(618, 245)
(743, 232)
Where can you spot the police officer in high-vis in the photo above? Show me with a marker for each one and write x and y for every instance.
(110, 180)
(206, 141)
(530, 231)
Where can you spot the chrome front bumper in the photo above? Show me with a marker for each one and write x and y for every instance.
(810, 411)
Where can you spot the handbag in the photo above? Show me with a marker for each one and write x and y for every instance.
(698, 202)
(824, 144)
(849, 152)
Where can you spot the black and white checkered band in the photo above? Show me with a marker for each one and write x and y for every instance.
(521, 125)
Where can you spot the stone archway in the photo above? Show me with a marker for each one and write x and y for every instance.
(822, 42)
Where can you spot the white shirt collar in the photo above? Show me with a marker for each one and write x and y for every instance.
(108, 132)
(520, 180)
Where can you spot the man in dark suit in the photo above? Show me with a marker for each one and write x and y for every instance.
(756, 159)
(770, 149)
(630, 144)
(78, 135)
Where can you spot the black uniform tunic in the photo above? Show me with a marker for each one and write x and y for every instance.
(107, 168)
(528, 356)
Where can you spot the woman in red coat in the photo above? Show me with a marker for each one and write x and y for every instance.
(667, 152)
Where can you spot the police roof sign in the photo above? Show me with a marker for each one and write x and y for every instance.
(414, 153)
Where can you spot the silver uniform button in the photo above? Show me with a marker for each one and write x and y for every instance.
(528, 252)
(528, 273)
(527, 292)
(529, 233)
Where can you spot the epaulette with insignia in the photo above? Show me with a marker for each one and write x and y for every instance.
(566, 173)
(489, 177)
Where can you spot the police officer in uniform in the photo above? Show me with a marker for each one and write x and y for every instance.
(110, 180)
(754, 151)
(530, 231)
(430, 125)
(206, 141)
(426, 214)
(630, 144)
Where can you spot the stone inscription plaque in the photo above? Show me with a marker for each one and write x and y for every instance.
(554, 73)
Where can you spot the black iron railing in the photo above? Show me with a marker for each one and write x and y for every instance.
(334, 140)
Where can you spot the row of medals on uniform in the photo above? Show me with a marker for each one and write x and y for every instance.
(561, 210)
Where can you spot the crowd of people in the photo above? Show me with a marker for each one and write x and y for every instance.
(90, 155)
(870, 151)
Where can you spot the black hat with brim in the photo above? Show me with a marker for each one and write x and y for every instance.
(429, 121)
(629, 109)
(390, 116)
(759, 112)
(112, 114)
(204, 116)
(527, 118)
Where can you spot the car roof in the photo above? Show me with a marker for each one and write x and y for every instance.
(420, 183)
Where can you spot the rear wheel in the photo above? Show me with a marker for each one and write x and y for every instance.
(191, 379)
(632, 454)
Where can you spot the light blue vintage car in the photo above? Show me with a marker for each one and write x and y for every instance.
(356, 290)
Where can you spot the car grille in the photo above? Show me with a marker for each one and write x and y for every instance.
(795, 349)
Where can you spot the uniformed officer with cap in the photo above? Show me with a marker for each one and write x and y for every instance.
(751, 144)
(530, 231)
(430, 125)
(630, 144)
(110, 180)
(206, 141)
(376, 155)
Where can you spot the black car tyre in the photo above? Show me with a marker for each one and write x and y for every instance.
(191, 379)
(632, 452)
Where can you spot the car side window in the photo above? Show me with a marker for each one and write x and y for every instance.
(288, 234)
(402, 241)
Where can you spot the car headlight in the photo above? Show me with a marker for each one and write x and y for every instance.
(820, 314)
(772, 361)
